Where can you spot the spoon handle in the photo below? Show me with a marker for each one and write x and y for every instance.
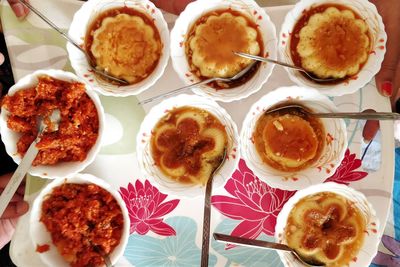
(69, 39)
(267, 60)
(43, 17)
(17, 177)
(205, 243)
(176, 91)
(250, 242)
(360, 115)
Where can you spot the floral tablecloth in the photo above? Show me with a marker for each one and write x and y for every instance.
(166, 230)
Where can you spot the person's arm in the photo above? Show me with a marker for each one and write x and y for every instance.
(388, 78)
(17, 206)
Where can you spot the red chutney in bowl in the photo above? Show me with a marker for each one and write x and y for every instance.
(84, 220)
(79, 125)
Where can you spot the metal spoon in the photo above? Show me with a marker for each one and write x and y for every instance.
(368, 115)
(69, 39)
(309, 75)
(205, 243)
(104, 255)
(27, 160)
(262, 244)
(176, 91)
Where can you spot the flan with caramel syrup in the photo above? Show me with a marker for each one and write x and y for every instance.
(326, 228)
(125, 43)
(331, 41)
(288, 140)
(188, 144)
(212, 39)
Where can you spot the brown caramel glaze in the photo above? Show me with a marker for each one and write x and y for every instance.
(184, 145)
(324, 228)
(96, 24)
(227, 38)
(258, 137)
(295, 38)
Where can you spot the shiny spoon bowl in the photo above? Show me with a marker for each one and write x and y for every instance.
(215, 79)
(105, 256)
(308, 74)
(367, 115)
(263, 244)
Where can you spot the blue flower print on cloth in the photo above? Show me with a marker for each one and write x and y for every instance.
(244, 256)
(174, 251)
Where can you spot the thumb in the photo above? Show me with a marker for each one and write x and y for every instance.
(370, 129)
(385, 78)
(19, 9)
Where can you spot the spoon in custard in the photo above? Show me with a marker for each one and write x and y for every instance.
(92, 64)
(263, 244)
(205, 243)
(367, 115)
(308, 74)
(239, 75)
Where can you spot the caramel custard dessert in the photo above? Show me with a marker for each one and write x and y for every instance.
(212, 39)
(330, 41)
(188, 144)
(289, 140)
(125, 43)
(326, 228)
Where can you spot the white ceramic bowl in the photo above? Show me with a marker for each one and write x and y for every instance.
(199, 8)
(330, 158)
(371, 239)
(10, 138)
(369, 13)
(78, 29)
(40, 235)
(147, 163)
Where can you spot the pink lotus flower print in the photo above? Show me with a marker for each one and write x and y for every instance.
(346, 172)
(145, 207)
(252, 202)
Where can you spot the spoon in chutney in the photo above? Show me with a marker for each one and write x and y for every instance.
(265, 245)
(92, 64)
(307, 73)
(49, 124)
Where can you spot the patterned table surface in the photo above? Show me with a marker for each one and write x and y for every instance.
(166, 230)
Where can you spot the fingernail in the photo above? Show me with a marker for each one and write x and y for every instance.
(387, 88)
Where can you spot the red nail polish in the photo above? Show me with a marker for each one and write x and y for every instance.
(387, 88)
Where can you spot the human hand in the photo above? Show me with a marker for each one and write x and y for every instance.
(172, 6)
(15, 209)
(388, 78)
(19, 9)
